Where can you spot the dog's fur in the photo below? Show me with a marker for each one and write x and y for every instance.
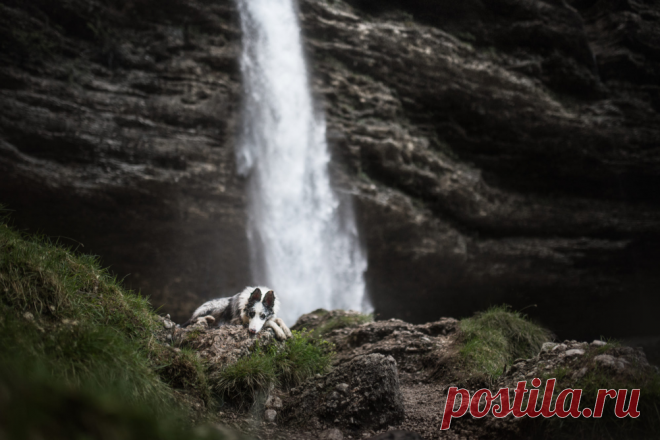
(254, 307)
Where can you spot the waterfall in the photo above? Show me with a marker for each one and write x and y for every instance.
(303, 237)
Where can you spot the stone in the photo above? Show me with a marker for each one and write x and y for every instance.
(273, 402)
(342, 388)
(270, 415)
(609, 361)
(548, 346)
(598, 343)
(331, 434)
(574, 352)
(374, 403)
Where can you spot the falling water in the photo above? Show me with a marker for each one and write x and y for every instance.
(304, 241)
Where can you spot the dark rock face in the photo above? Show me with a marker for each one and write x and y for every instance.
(499, 151)
(494, 163)
(362, 393)
(118, 134)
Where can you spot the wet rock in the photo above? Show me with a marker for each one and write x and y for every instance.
(375, 400)
(598, 343)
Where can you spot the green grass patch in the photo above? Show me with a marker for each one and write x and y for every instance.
(70, 334)
(609, 427)
(497, 337)
(345, 321)
(243, 382)
(285, 364)
(33, 406)
(301, 357)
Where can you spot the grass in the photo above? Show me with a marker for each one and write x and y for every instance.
(245, 381)
(33, 406)
(302, 356)
(286, 364)
(71, 335)
(184, 370)
(497, 337)
(609, 427)
(345, 321)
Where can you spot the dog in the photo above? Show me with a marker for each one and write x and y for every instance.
(254, 307)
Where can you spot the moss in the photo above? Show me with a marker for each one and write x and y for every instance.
(497, 337)
(345, 321)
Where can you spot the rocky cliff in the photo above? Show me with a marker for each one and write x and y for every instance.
(500, 151)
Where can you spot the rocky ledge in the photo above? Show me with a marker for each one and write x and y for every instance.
(390, 379)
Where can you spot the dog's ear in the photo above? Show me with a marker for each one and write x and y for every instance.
(269, 300)
(255, 296)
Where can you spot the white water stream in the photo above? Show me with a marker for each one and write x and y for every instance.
(304, 242)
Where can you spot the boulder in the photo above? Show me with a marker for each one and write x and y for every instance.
(372, 399)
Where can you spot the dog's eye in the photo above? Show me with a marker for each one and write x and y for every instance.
(251, 314)
(263, 316)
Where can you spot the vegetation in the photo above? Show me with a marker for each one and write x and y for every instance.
(609, 427)
(344, 321)
(73, 341)
(287, 364)
(497, 337)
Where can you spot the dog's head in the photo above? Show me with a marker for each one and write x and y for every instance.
(259, 309)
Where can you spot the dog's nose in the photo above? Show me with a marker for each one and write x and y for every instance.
(252, 332)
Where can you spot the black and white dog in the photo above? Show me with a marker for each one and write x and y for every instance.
(254, 307)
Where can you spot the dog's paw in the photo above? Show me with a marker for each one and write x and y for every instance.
(279, 334)
(284, 327)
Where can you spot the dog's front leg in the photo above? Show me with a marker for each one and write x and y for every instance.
(279, 334)
(283, 326)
